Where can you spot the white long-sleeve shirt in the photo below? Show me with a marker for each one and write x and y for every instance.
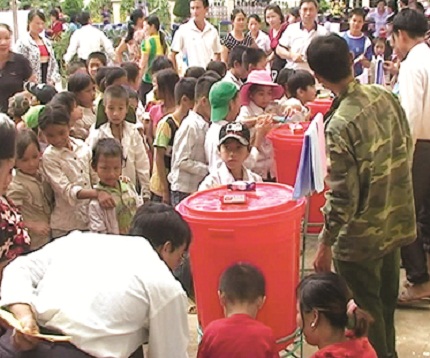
(414, 88)
(86, 40)
(136, 158)
(109, 293)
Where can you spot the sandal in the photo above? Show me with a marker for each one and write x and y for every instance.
(414, 293)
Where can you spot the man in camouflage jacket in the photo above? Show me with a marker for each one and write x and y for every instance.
(369, 213)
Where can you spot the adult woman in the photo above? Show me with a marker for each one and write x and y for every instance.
(14, 239)
(15, 69)
(38, 49)
(275, 20)
(236, 36)
(56, 28)
(153, 46)
(325, 307)
(131, 42)
(260, 38)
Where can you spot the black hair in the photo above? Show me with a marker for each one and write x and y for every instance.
(55, 13)
(412, 22)
(24, 138)
(294, 11)
(194, 71)
(74, 67)
(166, 81)
(255, 17)
(329, 57)
(109, 147)
(358, 11)
(252, 56)
(185, 87)
(52, 115)
(66, 99)
(276, 9)
(418, 6)
(7, 137)
(283, 76)
(299, 79)
(78, 82)
(204, 2)
(328, 294)
(236, 55)
(84, 18)
(315, 2)
(99, 56)
(36, 12)
(132, 94)
(160, 63)
(385, 3)
(236, 12)
(405, 2)
(112, 74)
(132, 70)
(153, 20)
(161, 223)
(203, 87)
(217, 66)
(6, 27)
(100, 76)
(213, 74)
(242, 283)
(134, 16)
(117, 92)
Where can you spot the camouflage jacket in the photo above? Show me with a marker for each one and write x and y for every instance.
(370, 206)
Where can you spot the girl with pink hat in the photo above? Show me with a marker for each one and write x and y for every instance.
(256, 96)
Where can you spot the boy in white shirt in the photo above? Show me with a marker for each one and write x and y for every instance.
(234, 147)
(189, 163)
(236, 71)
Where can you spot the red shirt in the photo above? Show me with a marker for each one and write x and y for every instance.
(238, 336)
(352, 348)
(57, 27)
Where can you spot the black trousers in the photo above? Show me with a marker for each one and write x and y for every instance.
(413, 255)
(46, 350)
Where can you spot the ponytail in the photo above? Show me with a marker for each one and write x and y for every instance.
(130, 32)
(163, 41)
(153, 20)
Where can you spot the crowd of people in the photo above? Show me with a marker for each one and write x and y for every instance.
(91, 245)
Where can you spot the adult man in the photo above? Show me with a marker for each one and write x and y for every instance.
(197, 39)
(369, 211)
(379, 16)
(88, 39)
(109, 293)
(297, 37)
(409, 29)
(359, 44)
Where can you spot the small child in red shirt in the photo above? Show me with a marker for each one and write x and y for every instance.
(325, 307)
(242, 292)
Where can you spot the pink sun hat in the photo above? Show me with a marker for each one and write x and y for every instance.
(262, 78)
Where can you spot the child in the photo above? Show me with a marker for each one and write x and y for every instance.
(256, 96)
(29, 192)
(165, 135)
(68, 100)
(18, 105)
(132, 70)
(217, 66)
(107, 162)
(189, 164)
(325, 308)
(82, 86)
(225, 106)
(116, 104)
(42, 93)
(75, 67)
(236, 71)
(376, 72)
(242, 292)
(160, 63)
(194, 72)
(94, 62)
(66, 166)
(254, 59)
(301, 86)
(234, 148)
(282, 79)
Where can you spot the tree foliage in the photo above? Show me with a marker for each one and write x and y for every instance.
(182, 9)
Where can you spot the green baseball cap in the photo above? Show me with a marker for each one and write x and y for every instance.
(31, 118)
(220, 95)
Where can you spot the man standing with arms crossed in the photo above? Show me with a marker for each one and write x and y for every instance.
(369, 213)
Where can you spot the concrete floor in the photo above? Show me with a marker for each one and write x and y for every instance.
(412, 324)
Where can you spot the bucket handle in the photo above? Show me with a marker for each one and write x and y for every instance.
(221, 233)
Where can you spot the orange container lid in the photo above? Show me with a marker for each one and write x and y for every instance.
(267, 200)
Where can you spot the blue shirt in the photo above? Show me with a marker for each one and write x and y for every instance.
(358, 46)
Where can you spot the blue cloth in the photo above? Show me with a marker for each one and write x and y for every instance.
(359, 46)
(305, 184)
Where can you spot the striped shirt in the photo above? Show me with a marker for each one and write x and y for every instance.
(152, 47)
(230, 42)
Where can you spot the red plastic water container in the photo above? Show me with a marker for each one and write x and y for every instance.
(287, 145)
(319, 106)
(264, 231)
